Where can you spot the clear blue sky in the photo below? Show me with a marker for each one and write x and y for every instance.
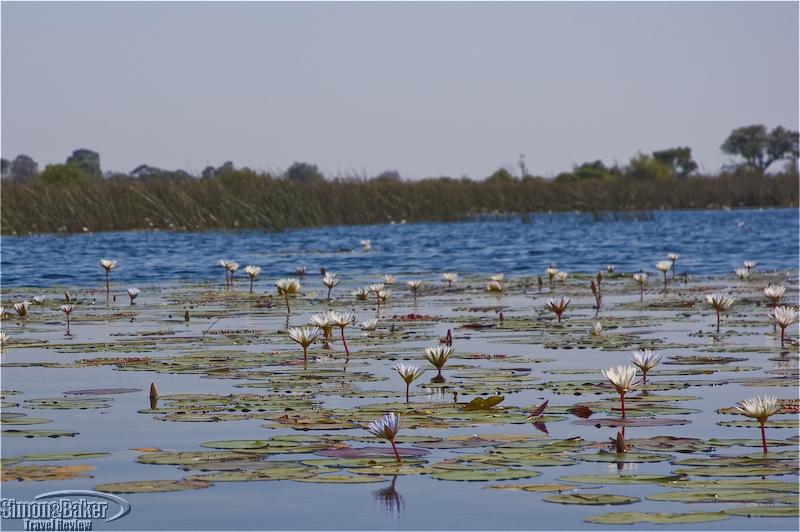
(427, 89)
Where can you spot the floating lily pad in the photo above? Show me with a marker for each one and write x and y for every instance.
(67, 403)
(736, 471)
(39, 433)
(533, 487)
(68, 455)
(369, 452)
(745, 484)
(45, 472)
(483, 475)
(765, 511)
(704, 496)
(620, 479)
(103, 391)
(631, 518)
(152, 486)
(591, 499)
(632, 422)
(341, 479)
(23, 420)
(279, 472)
(625, 458)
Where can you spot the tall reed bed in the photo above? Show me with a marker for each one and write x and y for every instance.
(245, 200)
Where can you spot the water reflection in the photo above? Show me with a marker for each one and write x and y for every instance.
(389, 498)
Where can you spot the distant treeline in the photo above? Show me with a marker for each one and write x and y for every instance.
(77, 196)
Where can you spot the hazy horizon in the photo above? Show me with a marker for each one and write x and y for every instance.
(425, 89)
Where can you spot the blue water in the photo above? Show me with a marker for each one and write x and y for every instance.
(710, 242)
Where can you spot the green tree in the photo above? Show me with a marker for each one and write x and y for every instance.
(501, 175)
(62, 173)
(679, 160)
(22, 167)
(87, 161)
(760, 148)
(644, 167)
(304, 173)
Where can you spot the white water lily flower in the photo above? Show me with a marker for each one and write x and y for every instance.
(438, 356)
(252, 271)
(783, 317)
(342, 319)
(597, 329)
(750, 264)
(622, 379)
(387, 428)
(499, 277)
(369, 325)
(301, 270)
(760, 408)
(384, 295)
(375, 288)
(720, 303)
(108, 264)
(673, 257)
(409, 374)
(389, 279)
(742, 273)
(414, 285)
(133, 293)
(552, 271)
(39, 300)
(640, 277)
(305, 336)
(366, 245)
(21, 308)
(324, 321)
(645, 360)
(561, 276)
(494, 286)
(232, 266)
(663, 265)
(330, 280)
(67, 309)
(774, 292)
(557, 305)
(361, 294)
(450, 277)
(287, 287)
(610, 268)
(3, 312)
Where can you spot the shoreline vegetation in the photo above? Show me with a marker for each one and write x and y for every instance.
(242, 199)
(78, 197)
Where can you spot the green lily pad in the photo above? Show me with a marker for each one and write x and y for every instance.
(620, 479)
(716, 496)
(152, 486)
(752, 423)
(278, 472)
(591, 499)
(745, 484)
(479, 403)
(68, 403)
(533, 487)
(24, 420)
(624, 458)
(67, 455)
(631, 518)
(765, 511)
(41, 472)
(341, 479)
(735, 471)
(483, 475)
(39, 433)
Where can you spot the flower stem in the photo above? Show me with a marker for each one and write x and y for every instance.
(783, 333)
(718, 322)
(622, 400)
(344, 343)
(107, 288)
(251, 285)
(305, 355)
(396, 454)
(408, 385)
(763, 437)
(288, 309)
